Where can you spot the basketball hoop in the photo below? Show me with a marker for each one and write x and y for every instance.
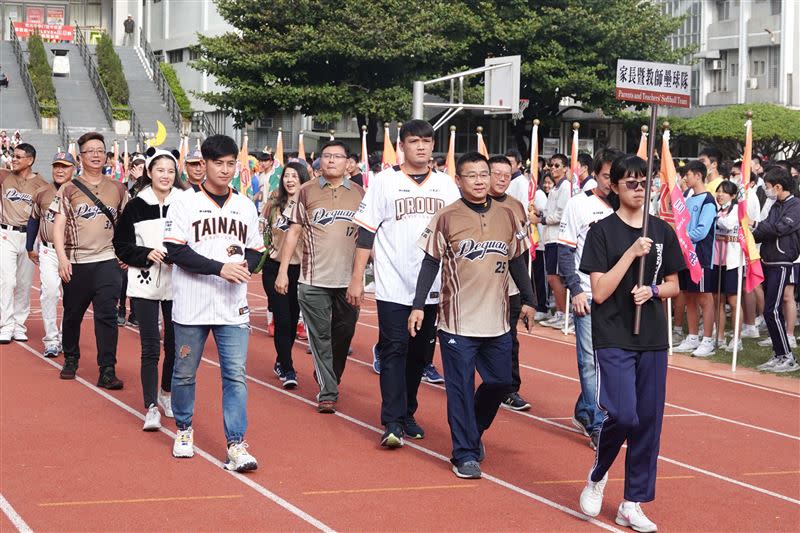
(523, 105)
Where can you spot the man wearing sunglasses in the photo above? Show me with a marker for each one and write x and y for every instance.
(553, 213)
(17, 189)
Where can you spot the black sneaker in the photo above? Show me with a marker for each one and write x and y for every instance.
(289, 379)
(70, 367)
(393, 436)
(412, 429)
(121, 320)
(132, 320)
(278, 371)
(468, 470)
(108, 379)
(514, 401)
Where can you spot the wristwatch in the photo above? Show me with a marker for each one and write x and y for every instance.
(654, 290)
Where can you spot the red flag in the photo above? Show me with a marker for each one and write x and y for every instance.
(680, 212)
(754, 275)
(534, 230)
(664, 202)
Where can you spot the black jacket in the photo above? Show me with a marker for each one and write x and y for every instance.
(779, 233)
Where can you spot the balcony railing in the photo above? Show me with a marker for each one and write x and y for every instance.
(164, 89)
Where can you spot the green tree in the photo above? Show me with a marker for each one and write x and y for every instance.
(350, 57)
(41, 76)
(109, 66)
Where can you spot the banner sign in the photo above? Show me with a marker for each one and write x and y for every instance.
(49, 32)
(654, 83)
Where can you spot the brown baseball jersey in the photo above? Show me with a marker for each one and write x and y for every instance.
(329, 233)
(278, 225)
(88, 235)
(518, 209)
(474, 249)
(17, 198)
(41, 211)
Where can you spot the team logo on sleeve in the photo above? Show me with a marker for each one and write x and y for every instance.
(234, 249)
(476, 250)
(323, 217)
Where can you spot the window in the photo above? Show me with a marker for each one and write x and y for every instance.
(193, 54)
(775, 6)
(175, 56)
(723, 10)
(774, 55)
(719, 78)
(734, 70)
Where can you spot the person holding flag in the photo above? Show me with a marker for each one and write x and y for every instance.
(552, 214)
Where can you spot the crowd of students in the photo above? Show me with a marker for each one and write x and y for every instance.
(450, 260)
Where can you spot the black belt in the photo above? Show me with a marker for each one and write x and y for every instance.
(21, 229)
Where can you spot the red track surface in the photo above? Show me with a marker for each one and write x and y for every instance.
(75, 458)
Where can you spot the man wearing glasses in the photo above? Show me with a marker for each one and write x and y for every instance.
(553, 212)
(82, 234)
(323, 213)
(18, 188)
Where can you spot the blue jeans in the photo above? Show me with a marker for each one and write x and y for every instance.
(232, 343)
(586, 409)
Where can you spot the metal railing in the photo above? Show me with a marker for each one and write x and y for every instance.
(25, 76)
(201, 123)
(167, 96)
(94, 76)
(63, 131)
(136, 130)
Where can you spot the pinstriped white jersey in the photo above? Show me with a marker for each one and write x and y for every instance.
(398, 210)
(218, 233)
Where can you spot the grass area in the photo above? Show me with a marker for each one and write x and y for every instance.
(752, 355)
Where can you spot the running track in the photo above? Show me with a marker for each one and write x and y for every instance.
(73, 457)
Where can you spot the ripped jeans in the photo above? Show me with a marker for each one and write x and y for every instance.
(232, 343)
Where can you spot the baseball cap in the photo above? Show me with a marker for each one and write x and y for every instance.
(317, 164)
(194, 156)
(64, 158)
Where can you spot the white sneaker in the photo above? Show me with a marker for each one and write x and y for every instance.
(370, 287)
(734, 342)
(239, 459)
(706, 349)
(787, 364)
(184, 443)
(152, 419)
(20, 336)
(761, 324)
(770, 363)
(792, 342)
(688, 345)
(592, 496)
(165, 402)
(765, 342)
(630, 515)
(557, 322)
(749, 331)
(541, 316)
(5, 338)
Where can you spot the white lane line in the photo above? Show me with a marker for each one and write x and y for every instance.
(202, 453)
(12, 515)
(569, 418)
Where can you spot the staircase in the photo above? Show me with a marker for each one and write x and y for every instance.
(145, 98)
(80, 108)
(15, 108)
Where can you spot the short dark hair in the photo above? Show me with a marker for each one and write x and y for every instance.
(724, 169)
(585, 160)
(91, 136)
(470, 157)
(27, 148)
(513, 152)
(417, 128)
(777, 175)
(499, 160)
(606, 155)
(627, 165)
(355, 158)
(563, 158)
(782, 163)
(712, 153)
(697, 166)
(335, 142)
(218, 146)
(439, 160)
(728, 187)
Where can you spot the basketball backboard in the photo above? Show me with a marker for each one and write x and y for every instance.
(501, 85)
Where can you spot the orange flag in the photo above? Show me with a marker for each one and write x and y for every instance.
(642, 151)
(301, 149)
(574, 165)
(754, 275)
(450, 163)
(389, 155)
(482, 145)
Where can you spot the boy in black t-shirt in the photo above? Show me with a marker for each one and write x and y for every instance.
(632, 369)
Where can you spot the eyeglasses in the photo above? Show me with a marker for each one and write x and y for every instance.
(632, 185)
(94, 152)
(556, 166)
(332, 157)
(473, 177)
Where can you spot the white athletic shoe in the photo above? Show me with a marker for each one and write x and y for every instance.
(761, 323)
(688, 345)
(152, 419)
(734, 342)
(5, 338)
(787, 364)
(541, 316)
(184, 443)
(706, 348)
(592, 496)
(749, 331)
(239, 459)
(557, 322)
(765, 342)
(770, 363)
(370, 287)
(630, 515)
(165, 402)
(792, 342)
(20, 336)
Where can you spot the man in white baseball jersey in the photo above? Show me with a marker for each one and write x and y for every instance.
(40, 224)
(583, 210)
(17, 189)
(397, 208)
(212, 237)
